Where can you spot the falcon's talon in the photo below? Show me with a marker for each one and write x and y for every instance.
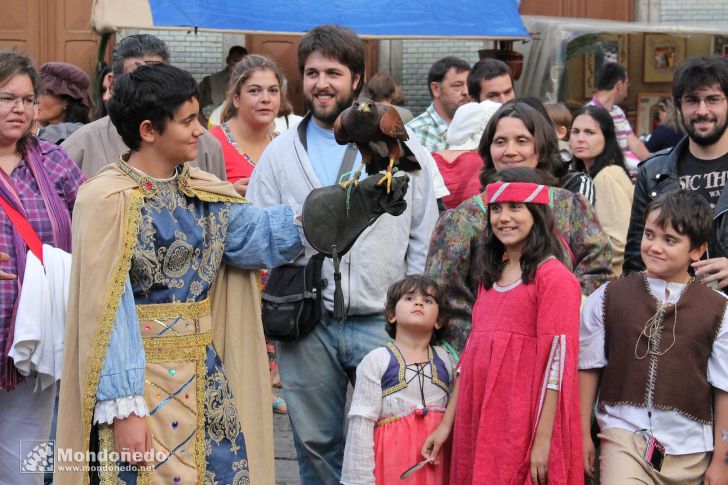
(388, 177)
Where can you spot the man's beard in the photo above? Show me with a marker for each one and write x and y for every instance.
(329, 118)
(709, 138)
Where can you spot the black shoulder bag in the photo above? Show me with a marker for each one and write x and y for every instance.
(292, 299)
(292, 303)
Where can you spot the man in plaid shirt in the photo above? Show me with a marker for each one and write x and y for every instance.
(447, 82)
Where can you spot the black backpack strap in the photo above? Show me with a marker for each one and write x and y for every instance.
(347, 161)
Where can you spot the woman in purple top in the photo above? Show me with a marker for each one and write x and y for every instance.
(40, 181)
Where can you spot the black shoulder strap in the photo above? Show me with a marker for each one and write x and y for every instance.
(347, 162)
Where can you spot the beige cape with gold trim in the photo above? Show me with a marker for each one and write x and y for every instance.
(105, 219)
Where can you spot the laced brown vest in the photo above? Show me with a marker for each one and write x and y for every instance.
(676, 380)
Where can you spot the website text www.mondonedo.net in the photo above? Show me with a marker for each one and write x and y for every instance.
(43, 456)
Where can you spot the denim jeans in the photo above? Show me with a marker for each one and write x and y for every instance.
(24, 415)
(315, 372)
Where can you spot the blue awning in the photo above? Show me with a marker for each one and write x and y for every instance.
(475, 19)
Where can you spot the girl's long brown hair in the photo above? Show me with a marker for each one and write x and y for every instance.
(541, 242)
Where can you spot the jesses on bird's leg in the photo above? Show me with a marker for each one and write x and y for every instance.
(355, 178)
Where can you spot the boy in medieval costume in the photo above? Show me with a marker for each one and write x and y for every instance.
(164, 347)
(653, 353)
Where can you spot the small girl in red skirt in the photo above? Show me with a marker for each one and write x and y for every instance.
(401, 391)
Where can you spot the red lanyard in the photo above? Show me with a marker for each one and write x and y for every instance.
(26, 230)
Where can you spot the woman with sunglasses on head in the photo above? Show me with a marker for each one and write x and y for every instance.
(517, 136)
(38, 182)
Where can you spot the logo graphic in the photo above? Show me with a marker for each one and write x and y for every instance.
(38, 456)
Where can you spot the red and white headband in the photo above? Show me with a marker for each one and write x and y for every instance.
(517, 192)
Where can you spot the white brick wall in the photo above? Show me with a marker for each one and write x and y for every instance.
(419, 55)
(714, 12)
(200, 54)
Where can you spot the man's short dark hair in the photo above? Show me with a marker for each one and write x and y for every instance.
(609, 74)
(237, 51)
(484, 70)
(338, 43)
(440, 68)
(381, 87)
(137, 45)
(698, 73)
(426, 286)
(687, 212)
(150, 92)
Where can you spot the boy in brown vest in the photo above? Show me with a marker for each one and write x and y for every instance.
(655, 347)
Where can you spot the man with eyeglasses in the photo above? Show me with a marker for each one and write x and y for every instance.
(699, 162)
(98, 144)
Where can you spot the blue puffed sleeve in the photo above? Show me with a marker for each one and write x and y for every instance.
(261, 237)
(123, 372)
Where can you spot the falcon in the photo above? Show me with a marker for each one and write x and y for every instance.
(378, 132)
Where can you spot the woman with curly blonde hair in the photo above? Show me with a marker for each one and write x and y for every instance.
(252, 104)
(248, 116)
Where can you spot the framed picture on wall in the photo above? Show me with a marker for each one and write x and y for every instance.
(663, 53)
(720, 45)
(648, 116)
(607, 48)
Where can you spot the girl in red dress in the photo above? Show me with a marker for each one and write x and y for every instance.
(401, 391)
(515, 405)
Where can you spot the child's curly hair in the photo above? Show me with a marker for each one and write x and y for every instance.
(426, 286)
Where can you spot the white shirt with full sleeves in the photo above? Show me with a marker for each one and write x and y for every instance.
(679, 434)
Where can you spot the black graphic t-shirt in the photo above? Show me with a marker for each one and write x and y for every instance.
(707, 177)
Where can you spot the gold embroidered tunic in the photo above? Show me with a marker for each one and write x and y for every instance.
(176, 242)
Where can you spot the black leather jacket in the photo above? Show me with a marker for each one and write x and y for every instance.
(656, 176)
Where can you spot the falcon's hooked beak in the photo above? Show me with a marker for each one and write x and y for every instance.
(364, 108)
